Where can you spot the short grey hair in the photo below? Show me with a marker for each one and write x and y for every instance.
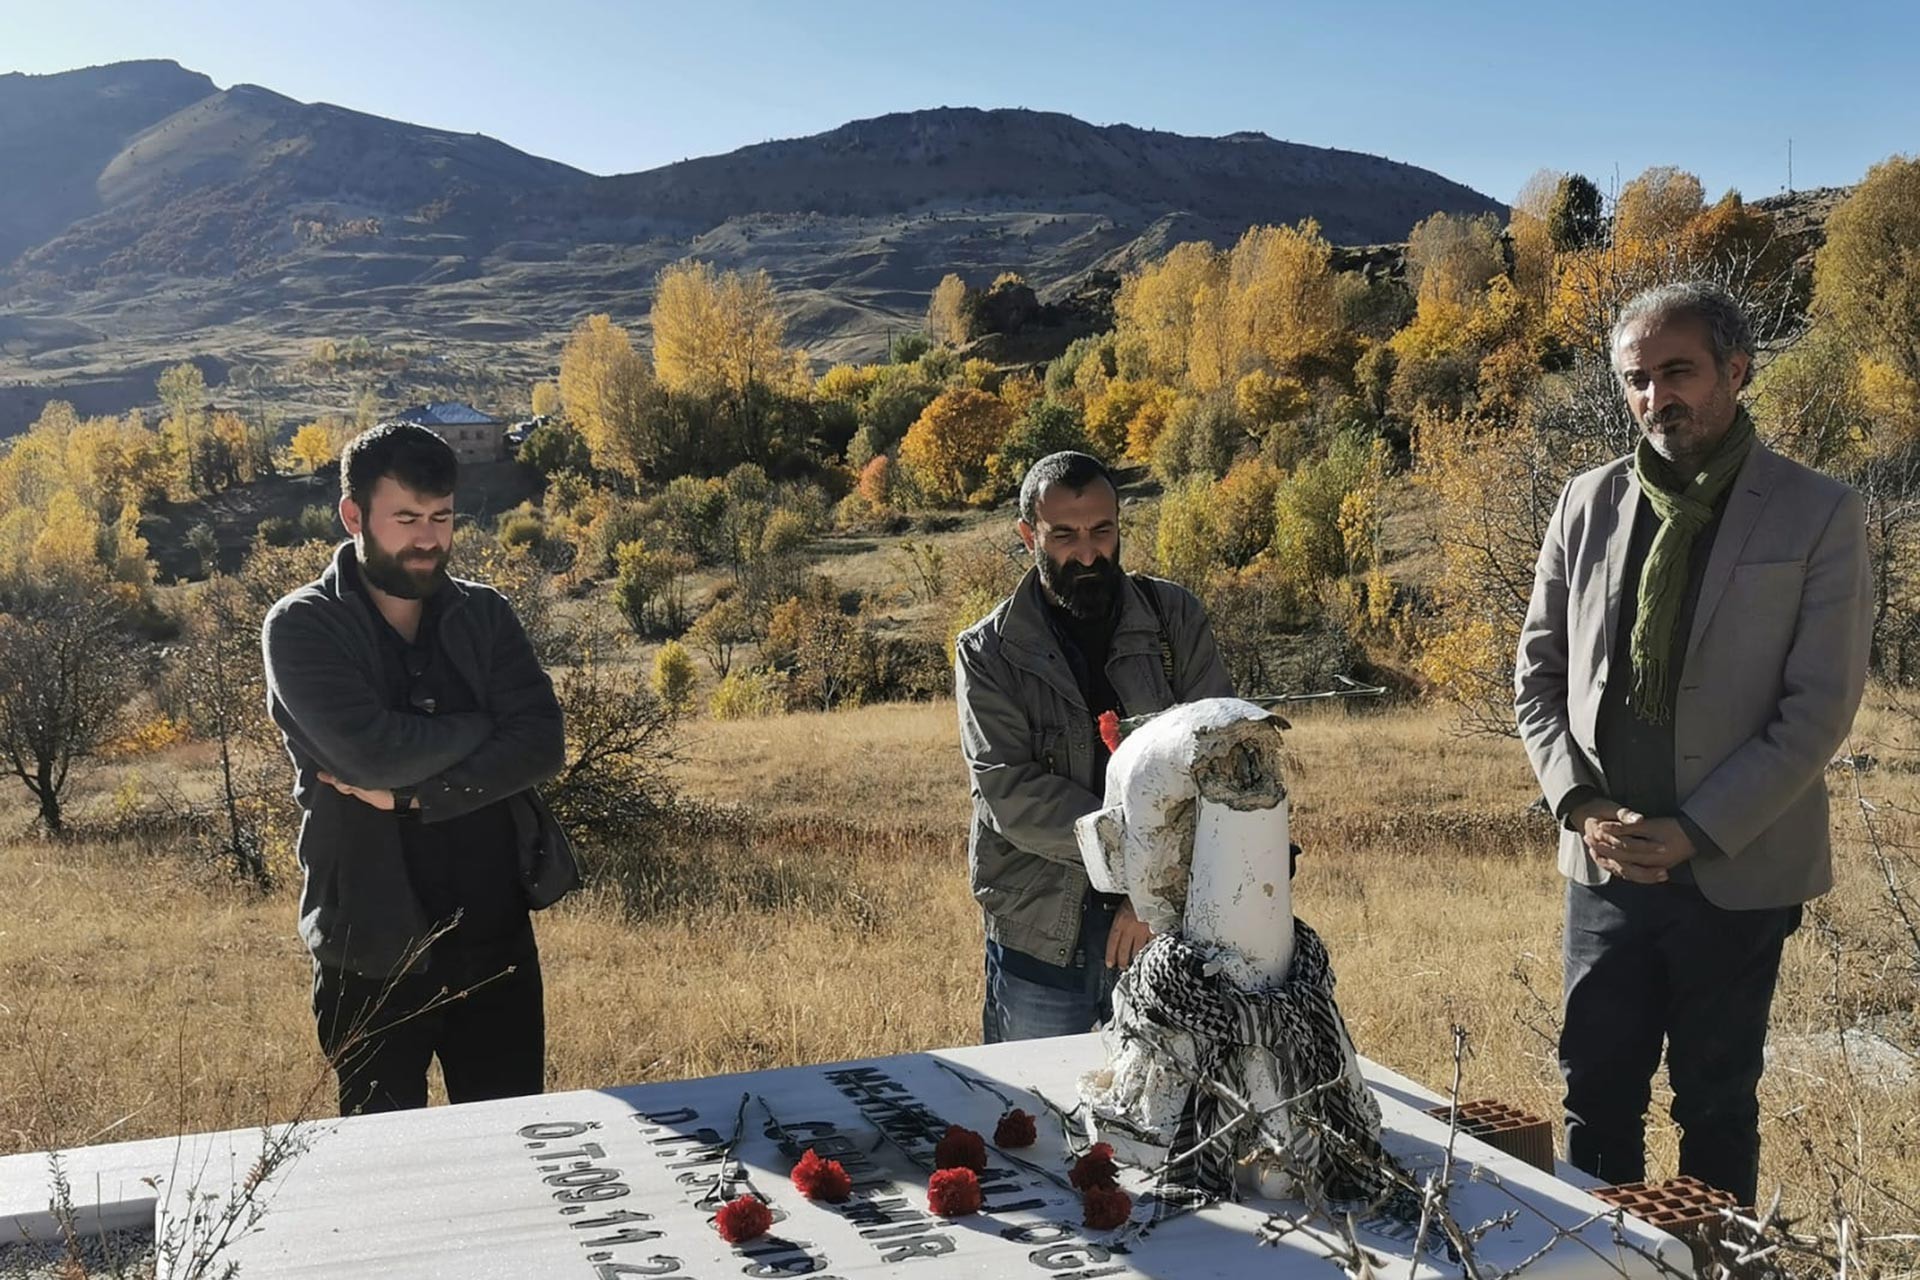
(1725, 321)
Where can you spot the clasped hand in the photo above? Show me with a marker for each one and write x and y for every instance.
(1127, 937)
(1631, 845)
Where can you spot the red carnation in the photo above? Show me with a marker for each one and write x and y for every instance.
(1095, 1169)
(953, 1193)
(1015, 1130)
(742, 1220)
(961, 1149)
(1105, 1208)
(818, 1179)
(1110, 729)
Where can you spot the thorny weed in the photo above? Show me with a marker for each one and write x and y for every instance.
(196, 1230)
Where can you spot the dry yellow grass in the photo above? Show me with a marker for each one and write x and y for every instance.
(137, 998)
(141, 996)
(894, 765)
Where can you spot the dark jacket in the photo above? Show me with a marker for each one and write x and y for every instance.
(321, 646)
(1030, 744)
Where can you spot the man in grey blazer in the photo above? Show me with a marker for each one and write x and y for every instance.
(1692, 657)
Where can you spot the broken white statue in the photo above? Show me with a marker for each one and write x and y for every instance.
(1232, 991)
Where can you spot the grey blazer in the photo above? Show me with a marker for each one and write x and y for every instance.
(1775, 666)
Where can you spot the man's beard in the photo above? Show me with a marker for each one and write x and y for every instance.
(1675, 431)
(411, 575)
(1087, 591)
(1661, 428)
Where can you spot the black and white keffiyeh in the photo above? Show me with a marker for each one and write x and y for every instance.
(1333, 1126)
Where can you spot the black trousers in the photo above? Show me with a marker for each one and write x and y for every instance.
(1651, 962)
(483, 1016)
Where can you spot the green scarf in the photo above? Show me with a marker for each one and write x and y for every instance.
(1685, 505)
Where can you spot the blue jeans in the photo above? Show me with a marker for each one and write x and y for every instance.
(1019, 1008)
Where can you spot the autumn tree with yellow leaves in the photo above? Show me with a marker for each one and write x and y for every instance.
(1111, 414)
(1848, 393)
(1493, 491)
(73, 569)
(315, 445)
(1204, 318)
(1280, 300)
(546, 399)
(1160, 306)
(114, 462)
(1655, 207)
(1452, 258)
(1867, 275)
(719, 349)
(609, 393)
(1530, 233)
(949, 312)
(1662, 230)
(947, 450)
(71, 493)
(718, 333)
(1215, 353)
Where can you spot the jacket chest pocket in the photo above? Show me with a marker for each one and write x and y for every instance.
(1772, 585)
(1140, 679)
(1051, 748)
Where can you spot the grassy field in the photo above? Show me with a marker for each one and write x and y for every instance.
(141, 994)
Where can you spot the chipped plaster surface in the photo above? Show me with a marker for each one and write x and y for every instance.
(1196, 834)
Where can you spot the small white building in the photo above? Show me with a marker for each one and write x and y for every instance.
(473, 435)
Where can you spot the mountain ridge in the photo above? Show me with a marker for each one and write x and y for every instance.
(241, 224)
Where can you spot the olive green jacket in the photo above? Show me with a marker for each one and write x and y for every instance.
(1030, 745)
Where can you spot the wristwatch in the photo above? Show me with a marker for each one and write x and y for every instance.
(403, 799)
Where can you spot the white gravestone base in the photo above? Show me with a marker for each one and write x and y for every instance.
(599, 1185)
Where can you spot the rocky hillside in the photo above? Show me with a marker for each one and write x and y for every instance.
(59, 133)
(149, 215)
(239, 179)
(971, 159)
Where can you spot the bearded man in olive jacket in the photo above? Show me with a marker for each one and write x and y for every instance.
(1078, 637)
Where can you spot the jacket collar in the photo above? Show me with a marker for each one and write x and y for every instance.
(336, 579)
(1624, 496)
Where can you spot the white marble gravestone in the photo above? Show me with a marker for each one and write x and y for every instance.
(599, 1185)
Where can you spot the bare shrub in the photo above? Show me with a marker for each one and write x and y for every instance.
(65, 675)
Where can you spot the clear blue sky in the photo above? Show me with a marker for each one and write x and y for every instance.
(1484, 93)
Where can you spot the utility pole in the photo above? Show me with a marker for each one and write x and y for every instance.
(1789, 166)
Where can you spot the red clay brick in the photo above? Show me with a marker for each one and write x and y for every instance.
(1684, 1207)
(1504, 1128)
